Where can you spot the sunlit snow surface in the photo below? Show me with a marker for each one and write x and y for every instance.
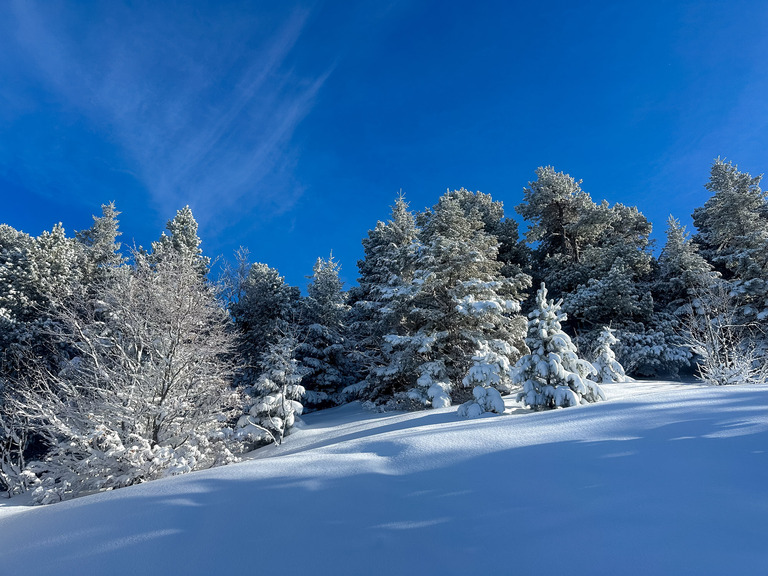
(662, 479)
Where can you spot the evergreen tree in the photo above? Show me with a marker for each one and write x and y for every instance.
(380, 304)
(552, 374)
(276, 395)
(182, 239)
(263, 308)
(102, 254)
(460, 302)
(607, 368)
(323, 344)
(733, 235)
(595, 257)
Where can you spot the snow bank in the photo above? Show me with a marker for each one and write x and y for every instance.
(661, 479)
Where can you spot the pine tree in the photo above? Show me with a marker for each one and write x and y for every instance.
(595, 257)
(460, 302)
(552, 374)
(607, 368)
(323, 346)
(733, 234)
(182, 239)
(276, 395)
(263, 307)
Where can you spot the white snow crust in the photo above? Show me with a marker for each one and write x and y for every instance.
(663, 478)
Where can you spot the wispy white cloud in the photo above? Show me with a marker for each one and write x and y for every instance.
(204, 105)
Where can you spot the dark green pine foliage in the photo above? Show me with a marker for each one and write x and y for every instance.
(263, 308)
(597, 258)
(323, 347)
(381, 302)
(460, 303)
(733, 236)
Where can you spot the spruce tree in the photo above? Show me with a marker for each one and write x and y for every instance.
(102, 249)
(323, 347)
(275, 398)
(553, 375)
(381, 304)
(263, 308)
(460, 303)
(183, 240)
(607, 368)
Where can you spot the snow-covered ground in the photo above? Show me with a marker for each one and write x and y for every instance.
(664, 478)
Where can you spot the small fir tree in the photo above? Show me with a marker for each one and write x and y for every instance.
(276, 395)
(606, 366)
(323, 346)
(553, 375)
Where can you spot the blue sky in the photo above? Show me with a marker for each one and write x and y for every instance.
(290, 127)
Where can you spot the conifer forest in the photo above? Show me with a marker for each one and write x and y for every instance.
(119, 366)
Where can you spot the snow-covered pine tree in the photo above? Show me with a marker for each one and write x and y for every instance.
(263, 307)
(595, 257)
(553, 375)
(102, 249)
(380, 305)
(607, 368)
(460, 302)
(275, 397)
(733, 235)
(323, 345)
(182, 239)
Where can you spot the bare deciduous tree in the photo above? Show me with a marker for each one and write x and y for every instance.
(146, 392)
(727, 347)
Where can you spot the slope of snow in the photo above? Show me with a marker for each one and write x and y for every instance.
(662, 479)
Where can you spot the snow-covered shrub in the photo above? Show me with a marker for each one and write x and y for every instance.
(607, 368)
(491, 366)
(553, 375)
(485, 399)
(726, 347)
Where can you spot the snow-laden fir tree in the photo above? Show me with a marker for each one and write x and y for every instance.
(102, 249)
(263, 307)
(380, 305)
(323, 345)
(275, 398)
(182, 240)
(491, 371)
(607, 368)
(460, 302)
(553, 375)
(733, 235)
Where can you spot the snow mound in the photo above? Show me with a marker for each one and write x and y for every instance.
(661, 479)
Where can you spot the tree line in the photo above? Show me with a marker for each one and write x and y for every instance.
(119, 368)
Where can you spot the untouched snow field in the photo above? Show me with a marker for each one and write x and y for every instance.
(664, 478)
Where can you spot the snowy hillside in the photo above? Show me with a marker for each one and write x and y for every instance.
(662, 479)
